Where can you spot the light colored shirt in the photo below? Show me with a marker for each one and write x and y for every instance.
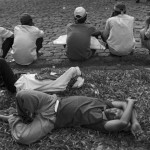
(42, 124)
(4, 33)
(147, 33)
(28, 82)
(119, 30)
(24, 47)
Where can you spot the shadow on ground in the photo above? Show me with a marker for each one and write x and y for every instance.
(110, 62)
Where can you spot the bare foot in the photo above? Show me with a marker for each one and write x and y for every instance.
(138, 132)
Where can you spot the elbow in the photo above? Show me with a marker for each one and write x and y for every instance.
(23, 140)
(124, 124)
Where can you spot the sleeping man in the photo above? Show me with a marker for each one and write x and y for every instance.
(37, 114)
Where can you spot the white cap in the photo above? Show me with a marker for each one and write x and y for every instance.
(80, 11)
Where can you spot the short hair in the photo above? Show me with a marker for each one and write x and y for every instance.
(120, 7)
(26, 19)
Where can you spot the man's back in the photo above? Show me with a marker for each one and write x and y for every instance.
(121, 38)
(78, 41)
(24, 47)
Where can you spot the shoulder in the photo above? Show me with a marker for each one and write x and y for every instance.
(129, 17)
(2, 28)
(34, 28)
(69, 24)
(111, 19)
(89, 25)
(18, 27)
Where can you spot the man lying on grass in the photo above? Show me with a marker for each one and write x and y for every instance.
(43, 81)
(38, 114)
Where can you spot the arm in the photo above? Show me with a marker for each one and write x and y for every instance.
(147, 34)
(5, 33)
(94, 32)
(107, 30)
(117, 125)
(119, 104)
(68, 29)
(28, 133)
(5, 117)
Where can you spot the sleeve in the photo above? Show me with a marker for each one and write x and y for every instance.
(31, 132)
(4, 33)
(68, 28)
(41, 33)
(147, 33)
(92, 30)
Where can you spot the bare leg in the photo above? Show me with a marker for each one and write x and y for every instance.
(136, 127)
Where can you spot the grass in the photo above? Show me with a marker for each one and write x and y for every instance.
(106, 83)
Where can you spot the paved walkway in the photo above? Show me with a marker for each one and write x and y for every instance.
(53, 15)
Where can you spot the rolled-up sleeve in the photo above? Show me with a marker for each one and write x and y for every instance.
(5, 33)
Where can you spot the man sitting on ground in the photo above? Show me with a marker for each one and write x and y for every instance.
(118, 33)
(78, 37)
(27, 41)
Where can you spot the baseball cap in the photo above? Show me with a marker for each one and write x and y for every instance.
(120, 7)
(25, 19)
(80, 12)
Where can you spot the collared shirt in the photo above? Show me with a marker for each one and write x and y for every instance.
(4, 33)
(120, 34)
(24, 47)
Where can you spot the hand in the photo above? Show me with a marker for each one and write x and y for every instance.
(131, 100)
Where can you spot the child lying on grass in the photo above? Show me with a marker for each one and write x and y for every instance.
(38, 113)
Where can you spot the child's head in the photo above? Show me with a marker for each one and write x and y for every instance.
(80, 15)
(119, 8)
(26, 19)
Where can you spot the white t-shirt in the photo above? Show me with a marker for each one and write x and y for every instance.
(120, 31)
(24, 47)
(4, 33)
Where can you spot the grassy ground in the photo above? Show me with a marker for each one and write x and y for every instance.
(113, 78)
(112, 81)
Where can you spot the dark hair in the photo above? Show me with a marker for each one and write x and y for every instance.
(119, 7)
(78, 19)
(115, 13)
(26, 19)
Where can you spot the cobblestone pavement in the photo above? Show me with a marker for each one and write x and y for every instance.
(53, 15)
